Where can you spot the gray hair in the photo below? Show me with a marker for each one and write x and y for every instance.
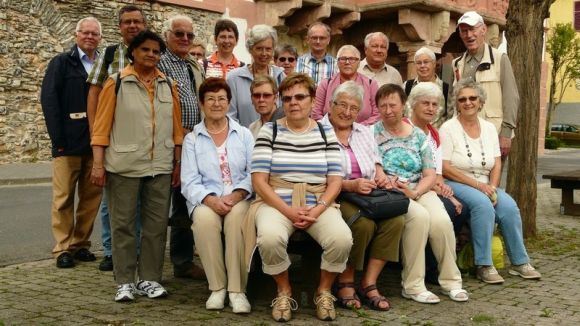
(326, 27)
(424, 50)
(88, 19)
(376, 34)
(285, 48)
(258, 33)
(468, 83)
(168, 24)
(349, 88)
(348, 47)
(421, 91)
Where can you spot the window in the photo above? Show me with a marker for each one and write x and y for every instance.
(577, 15)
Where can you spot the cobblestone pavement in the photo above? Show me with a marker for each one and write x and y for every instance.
(38, 293)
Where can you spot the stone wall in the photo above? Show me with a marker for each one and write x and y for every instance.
(34, 31)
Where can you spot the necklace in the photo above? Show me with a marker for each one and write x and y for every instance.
(254, 70)
(470, 155)
(219, 131)
(299, 132)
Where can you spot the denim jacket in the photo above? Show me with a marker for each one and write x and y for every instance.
(200, 168)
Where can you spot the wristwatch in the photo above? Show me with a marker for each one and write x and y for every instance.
(322, 202)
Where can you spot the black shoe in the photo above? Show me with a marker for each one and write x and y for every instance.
(106, 264)
(65, 260)
(84, 254)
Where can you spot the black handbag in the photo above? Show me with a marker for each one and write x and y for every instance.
(380, 204)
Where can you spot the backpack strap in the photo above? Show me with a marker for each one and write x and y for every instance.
(205, 64)
(322, 132)
(274, 133)
(408, 86)
(445, 94)
(117, 83)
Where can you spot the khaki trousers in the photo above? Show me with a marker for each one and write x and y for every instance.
(72, 231)
(329, 230)
(379, 239)
(123, 193)
(207, 233)
(428, 220)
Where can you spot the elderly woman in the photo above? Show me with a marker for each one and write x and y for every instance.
(408, 160)
(363, 173)
(261, 40)
(348, 58)
(425, 66)
(198, 50)
(216, 181)
(285, 57)
(137, 140)
(264, 98)
(472, 164)
(296, 173)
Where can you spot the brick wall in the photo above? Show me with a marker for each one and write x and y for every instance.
(34, 31)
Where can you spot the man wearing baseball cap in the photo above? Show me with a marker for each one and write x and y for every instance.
(493, 70)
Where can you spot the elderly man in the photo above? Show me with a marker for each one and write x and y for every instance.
(180, 66)
(226, 37)
(317, 63)
(131, 22)
(375, 66)
(64, 102)
(493, 70)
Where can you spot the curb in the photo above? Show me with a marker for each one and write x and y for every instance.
(25, 181)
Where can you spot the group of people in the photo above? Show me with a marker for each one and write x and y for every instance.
(237, 156)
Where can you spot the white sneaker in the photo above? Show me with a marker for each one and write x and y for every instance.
(151, 289)
(125, 292)
(216, 300)
(239, 303)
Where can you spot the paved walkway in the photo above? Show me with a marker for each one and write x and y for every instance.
(38, 293)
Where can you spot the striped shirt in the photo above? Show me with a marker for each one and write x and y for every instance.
(177, 69)
(217, 69)
(98, 75)
(299, 158)
(318, 70)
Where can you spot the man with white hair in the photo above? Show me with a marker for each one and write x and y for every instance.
(375, 66)
(493, 70)
(180, 66)
(64, 104)
(317, 63)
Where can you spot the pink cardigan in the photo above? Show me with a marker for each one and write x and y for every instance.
(369, 113)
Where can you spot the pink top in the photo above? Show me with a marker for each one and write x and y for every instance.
(355, 168)
(369, 113)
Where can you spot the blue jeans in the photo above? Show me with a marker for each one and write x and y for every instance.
(483, 218)
(106, 224)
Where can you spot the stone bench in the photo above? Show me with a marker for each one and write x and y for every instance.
(568, 182)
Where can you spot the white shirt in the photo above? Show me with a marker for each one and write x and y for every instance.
(453, 143)
(86, 61)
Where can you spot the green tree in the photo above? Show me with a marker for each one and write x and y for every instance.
(564, 48)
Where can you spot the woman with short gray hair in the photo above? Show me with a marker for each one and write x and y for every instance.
(348, 59)
(261, 41)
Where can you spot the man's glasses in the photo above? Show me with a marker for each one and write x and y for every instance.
(470, 98)
(180, 34)
(297, 97)
(348, 59)
(93, 34)
(265, 96)
(132, 21)
(290, 59)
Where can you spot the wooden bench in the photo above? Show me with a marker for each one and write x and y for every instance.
(568, 182)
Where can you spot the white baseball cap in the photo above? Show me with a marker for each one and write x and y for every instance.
(470, 18)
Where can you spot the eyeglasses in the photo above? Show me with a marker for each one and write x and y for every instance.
(344, 107)
(132, 21)
(290, 59)
(213, 100)
(259, 96)
(318, 38)
(181, 34)
(93, 34)
(348, 59)
(425, 62)
(470, 98)
(297, 97)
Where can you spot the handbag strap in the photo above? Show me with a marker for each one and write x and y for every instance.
(353, 218)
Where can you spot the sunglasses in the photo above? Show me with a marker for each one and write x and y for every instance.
(180, 34)
(470, 98)
(290, 59)
(265, 96)
(297, 97)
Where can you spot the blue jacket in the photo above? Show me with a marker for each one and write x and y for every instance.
(64, 103)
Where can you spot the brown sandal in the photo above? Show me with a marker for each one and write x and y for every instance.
(373, 302)
(346, 301)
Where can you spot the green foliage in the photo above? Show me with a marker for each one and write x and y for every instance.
(552, 143)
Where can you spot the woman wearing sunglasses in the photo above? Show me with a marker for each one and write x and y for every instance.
(297, 174)
(472, 164)
(264, 98)
(348, 59)
(285, 57)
